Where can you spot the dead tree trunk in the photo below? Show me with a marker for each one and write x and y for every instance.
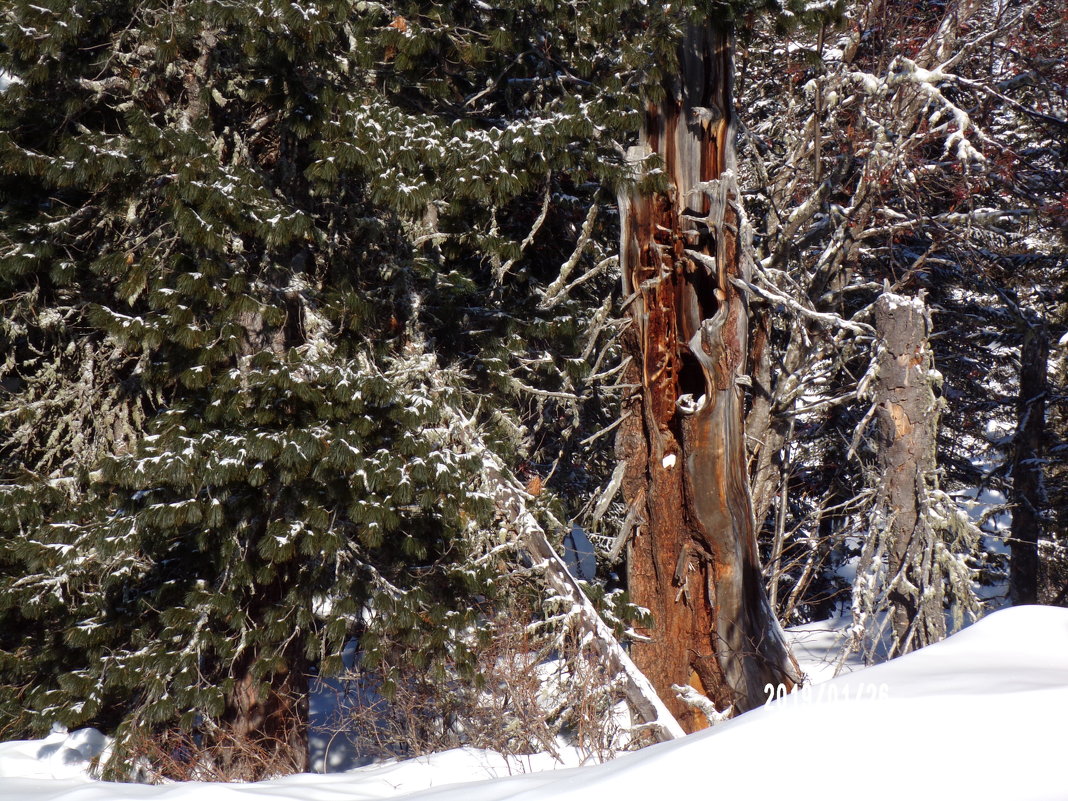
(694, 561)
(907, 429)
(1028, 493)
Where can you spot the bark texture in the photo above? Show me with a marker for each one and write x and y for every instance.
(265, 725)
(693, 562)
(907, 429)
(1028, 492)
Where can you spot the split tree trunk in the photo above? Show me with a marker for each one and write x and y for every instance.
(694, 560)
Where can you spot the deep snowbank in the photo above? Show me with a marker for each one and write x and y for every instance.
(979, 716)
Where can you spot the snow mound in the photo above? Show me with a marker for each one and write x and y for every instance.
(58, 756)
(978, 716)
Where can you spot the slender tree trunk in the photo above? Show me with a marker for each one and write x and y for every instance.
(1028, 492)
(694, 562)
(765, 427)
(907, 430)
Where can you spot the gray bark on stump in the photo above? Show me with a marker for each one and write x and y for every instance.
(907, 413)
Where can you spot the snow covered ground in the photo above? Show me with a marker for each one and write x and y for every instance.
(979, 716)
(819, 648)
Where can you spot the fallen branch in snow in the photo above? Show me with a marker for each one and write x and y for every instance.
(689, 696)
(510, 501)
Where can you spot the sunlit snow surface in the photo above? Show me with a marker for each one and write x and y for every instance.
(979, 716)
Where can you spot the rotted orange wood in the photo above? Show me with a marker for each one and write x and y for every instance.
(694, 564)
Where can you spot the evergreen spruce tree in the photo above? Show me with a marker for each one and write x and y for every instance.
(258, 260)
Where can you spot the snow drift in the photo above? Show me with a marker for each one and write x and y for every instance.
(978, 716)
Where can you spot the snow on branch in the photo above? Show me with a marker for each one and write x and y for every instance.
(510, 500)
(689, 696)
(828, 319)
(558, 289)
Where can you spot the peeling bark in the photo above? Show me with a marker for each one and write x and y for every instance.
(693, 562)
